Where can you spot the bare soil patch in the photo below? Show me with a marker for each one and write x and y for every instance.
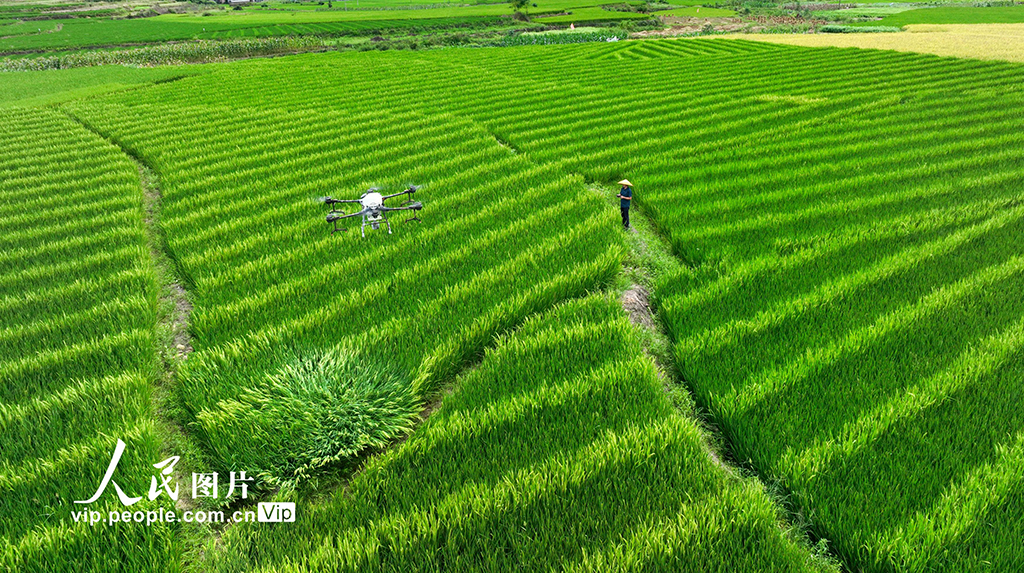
(636, 302)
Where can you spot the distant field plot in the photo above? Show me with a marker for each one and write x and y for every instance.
(565, 31)
(865, 12)
(979, 41)
(348, 27)
(348, 5)
(592, 14)
(77, 350)
(106, 32)
(256, 16)
(256, 22)
(696, 12)
(560, 451)
(956, 15)
(21, 28)
(46, 87)
(85, 33)
(13, 12)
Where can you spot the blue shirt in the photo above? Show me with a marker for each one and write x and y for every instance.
(625, 192)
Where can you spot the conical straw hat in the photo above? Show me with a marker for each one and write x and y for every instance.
(626, 183)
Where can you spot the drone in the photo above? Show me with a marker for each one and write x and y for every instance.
(373, 209)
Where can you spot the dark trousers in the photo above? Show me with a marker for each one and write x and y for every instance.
(625, 217)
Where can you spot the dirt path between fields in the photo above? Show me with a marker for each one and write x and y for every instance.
(649, 256)
(173, 342)
(173, 338)
(178, 309)
(173, 319)
(636, 302)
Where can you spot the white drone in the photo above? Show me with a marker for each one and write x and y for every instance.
(373, 209)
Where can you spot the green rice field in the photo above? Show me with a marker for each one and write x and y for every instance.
(582, 432)
(77, 345)
(842, 319)
(956, 15)
(284, 19)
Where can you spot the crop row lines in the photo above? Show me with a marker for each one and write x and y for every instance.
(432, 266)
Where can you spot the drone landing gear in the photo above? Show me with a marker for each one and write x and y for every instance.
(414, 217)
(334, 219)
(375, 223)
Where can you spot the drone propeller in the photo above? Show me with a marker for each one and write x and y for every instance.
(334, 219)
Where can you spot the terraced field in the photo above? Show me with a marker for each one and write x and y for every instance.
(847, 313)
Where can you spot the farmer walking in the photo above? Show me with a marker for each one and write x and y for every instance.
(625, 198)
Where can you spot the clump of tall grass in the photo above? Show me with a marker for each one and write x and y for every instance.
(316, 412)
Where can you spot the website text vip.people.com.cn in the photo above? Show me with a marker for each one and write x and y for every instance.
(265, 512)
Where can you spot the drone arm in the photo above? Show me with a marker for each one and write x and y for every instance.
(414, 207)
(331, 218)
(406, 192)
(331, 201)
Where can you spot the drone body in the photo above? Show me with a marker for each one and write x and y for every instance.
(372, 200)
(373, 211)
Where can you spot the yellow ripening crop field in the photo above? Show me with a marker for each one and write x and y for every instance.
(978, 41)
